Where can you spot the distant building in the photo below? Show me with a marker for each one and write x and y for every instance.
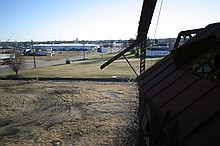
(66, 47)
(4, 57)
(158, 50)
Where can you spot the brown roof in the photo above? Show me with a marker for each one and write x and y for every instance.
(180, 95)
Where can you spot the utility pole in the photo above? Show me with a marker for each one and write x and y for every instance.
(84, 51)
(33, 54)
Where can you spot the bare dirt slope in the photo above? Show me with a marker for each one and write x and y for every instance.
(67, 113)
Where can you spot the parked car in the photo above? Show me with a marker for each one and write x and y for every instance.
(67, 61)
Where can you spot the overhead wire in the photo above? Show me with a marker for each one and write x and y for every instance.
(158, 18)
(161, 4)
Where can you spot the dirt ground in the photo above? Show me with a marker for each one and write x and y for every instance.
(50, 113)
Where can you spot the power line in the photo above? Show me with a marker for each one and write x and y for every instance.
(158, 19)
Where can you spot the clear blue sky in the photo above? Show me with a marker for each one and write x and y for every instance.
(40, 20)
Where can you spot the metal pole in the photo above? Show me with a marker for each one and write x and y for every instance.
(130, 65)
(84, 52)
(35, 66)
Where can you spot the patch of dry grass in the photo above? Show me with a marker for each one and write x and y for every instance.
(70, 113)
(86, 68)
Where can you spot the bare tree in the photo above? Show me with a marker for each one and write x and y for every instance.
(16, 62)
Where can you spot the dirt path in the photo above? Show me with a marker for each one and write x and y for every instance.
(67, 113)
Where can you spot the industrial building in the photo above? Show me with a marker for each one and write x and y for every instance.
(66, 47)
(158, 50)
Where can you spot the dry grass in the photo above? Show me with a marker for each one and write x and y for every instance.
(69, 113)
(87, 69)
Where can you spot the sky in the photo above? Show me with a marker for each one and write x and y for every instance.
(44, 20)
